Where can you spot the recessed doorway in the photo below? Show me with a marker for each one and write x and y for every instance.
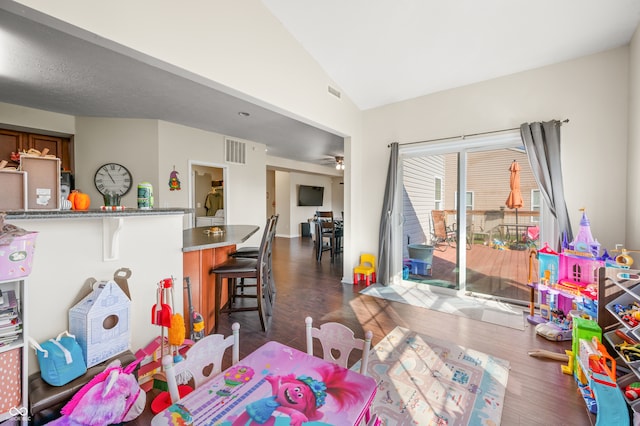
(208, 198)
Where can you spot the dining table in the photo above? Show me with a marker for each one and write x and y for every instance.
(280, 384)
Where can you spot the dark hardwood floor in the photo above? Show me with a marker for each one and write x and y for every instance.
(538, 393)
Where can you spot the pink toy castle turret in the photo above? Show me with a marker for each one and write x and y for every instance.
(584, 241)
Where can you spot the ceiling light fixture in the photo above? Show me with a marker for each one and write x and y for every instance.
(339, 162)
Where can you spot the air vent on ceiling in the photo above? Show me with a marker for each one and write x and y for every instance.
(235, 151)
(335, 92)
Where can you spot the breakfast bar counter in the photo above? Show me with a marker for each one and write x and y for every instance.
(202, 238)
(202, 251)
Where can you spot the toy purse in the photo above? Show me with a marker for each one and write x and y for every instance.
(60, 359)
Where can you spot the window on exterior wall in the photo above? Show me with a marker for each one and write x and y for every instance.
(469, 200)
(535, 204)
(438, 194)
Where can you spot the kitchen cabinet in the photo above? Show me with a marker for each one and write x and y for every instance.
(14, 141)
(10, 141)
(14, 355)
(196, 265)
(202, 252)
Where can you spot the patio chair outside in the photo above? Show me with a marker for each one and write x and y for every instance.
(490, 226)
(442, 236)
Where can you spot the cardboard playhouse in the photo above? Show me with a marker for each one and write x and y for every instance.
(101, 321)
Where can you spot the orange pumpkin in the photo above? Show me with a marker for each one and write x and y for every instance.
(79, 200)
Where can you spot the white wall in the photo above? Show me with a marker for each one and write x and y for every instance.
(14, 116)
(244, 186)
(130, 142)
(70, 251)
(301, 214)
(283, 204)
(591, 91)
(337, 196)
(292, 215)
(633, 158)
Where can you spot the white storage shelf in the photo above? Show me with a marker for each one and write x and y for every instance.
(20, 288)
(630, 296)
(628, 281)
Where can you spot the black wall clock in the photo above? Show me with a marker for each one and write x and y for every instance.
(113, 177)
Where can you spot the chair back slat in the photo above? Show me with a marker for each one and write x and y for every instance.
(203, 360)
(338, 342)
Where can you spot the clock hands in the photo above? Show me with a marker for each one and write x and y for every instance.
(117, 182)
(110, 177)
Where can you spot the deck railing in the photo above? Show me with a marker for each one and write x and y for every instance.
(506, 225)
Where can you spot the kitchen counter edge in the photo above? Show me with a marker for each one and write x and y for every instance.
(197, 239)
(93, 213)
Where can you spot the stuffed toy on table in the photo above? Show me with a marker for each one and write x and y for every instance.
(111, 397)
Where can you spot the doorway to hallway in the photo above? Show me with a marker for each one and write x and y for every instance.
(208, 198)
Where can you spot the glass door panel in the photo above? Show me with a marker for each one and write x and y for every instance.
(429, 249)
(498, 262)
(497, 240)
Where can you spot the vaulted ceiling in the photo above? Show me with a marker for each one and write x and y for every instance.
(377, 52)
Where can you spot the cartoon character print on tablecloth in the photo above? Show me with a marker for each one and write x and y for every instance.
(178, 415)
(235, 376)
(301, 397)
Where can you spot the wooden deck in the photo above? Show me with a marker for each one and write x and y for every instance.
(500, 273)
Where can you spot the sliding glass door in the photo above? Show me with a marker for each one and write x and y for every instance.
(459, 233)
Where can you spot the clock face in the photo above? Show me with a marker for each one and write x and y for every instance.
(114, 178)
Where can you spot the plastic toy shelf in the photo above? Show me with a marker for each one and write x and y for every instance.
(627, 283)
(630, 297)
(613, 339)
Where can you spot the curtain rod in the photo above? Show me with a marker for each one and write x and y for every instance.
(566, 120)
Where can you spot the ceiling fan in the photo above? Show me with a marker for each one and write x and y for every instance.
(336, 160)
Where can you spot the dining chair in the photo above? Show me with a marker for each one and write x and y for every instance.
(324, 215)
(338, 341)
(328, 235)
(202, 361)
(326, 238)
(239, 267)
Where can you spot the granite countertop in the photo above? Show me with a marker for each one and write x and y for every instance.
(93, 213)
(198, 239)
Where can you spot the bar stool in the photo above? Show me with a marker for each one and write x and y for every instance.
(252, 253)
(234, 268)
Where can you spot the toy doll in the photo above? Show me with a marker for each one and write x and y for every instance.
(301, 397)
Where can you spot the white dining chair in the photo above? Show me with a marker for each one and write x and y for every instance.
(338, 341)
(203, 360)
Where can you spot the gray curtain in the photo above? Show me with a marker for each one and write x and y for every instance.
(385, 244)
(542, 144)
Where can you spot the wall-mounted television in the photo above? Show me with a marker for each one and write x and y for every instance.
(310, 195)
